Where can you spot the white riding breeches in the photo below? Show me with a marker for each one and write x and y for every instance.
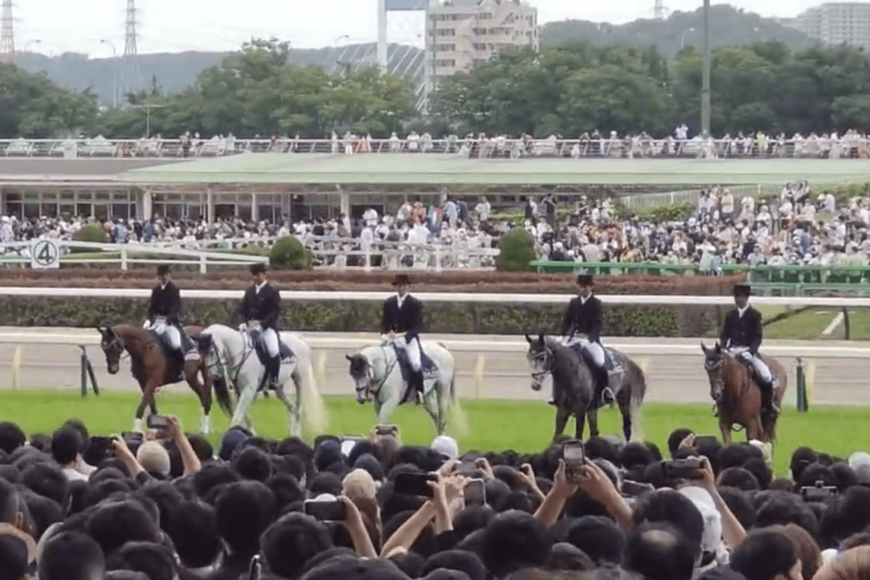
(270, 340)
(169, 332)
(413, 350)
(595, 350)
(760, 367)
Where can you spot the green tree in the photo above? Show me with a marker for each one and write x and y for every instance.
(517, 252)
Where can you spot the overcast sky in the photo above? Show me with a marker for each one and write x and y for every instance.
(177, 25)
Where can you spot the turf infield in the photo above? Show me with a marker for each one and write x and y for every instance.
(492, 425)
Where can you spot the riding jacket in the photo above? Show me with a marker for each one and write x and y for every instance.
(742, 331)
(262, 303)
(408, 319)
(583, 318)
(165, 302)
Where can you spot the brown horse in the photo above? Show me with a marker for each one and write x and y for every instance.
(738, 397)
(152, 369)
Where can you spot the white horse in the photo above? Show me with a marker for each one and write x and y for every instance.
(230, 354)
(378, 377)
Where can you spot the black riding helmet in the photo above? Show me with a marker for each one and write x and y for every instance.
(163, 270)
(584, 280)
(742, 290)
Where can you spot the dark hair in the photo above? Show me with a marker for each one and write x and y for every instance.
(670, 506)
(152, 559)
(659, 551)
(193, 531)
(515, 540)
(808, 551)
(676, 437)
(764, 554)
(307, 536)
(11, 437)
(48, 481)
(114, 524)
(243, 512)
(253, 463)
(739, 478)
(66, 443)
(71, 556)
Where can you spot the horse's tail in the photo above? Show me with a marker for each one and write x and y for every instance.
(637, 385)
(458, 418)
(314, 415)
(222, 394)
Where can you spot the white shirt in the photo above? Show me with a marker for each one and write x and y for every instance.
(73, 475)
(740, 311)
(260, 286)
(400, 300)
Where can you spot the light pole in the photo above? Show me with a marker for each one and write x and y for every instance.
(683, 37)
(148, 107)
(114, 73)
(705, 82)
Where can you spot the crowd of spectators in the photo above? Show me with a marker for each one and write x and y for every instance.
(165, 506)
(795, 227)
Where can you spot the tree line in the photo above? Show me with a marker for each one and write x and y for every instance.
(564, 90)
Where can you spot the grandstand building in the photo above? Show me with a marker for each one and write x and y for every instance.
(461, 34)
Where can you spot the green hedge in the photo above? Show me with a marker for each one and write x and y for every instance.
(365, 316)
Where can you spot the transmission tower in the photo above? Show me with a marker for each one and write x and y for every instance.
(659, 10)
(130, 81)
(7, 34)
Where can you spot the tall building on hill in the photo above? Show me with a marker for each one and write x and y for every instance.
(837, 23)
(461, 34)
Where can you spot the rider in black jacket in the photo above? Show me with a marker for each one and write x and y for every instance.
(742, 335)
(164, 313)
(584, 316)
(403, 314)
(262, 303)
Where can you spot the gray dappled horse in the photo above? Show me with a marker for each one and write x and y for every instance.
(574, 386)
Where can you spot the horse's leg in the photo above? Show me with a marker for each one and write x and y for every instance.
(592, 417)
(580, 423)
(725, 428)
(140, 411)
(249, 392)
(387, 407)
(442, 392)
(296, 377)
(203, 391)
(562, 416)
(625, 411)
(292, 410)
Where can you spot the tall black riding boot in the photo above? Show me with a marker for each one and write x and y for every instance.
(418, 385)
(607, 397)
(274, 371)
(767, 402)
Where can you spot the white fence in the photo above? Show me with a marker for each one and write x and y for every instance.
(481, 344)
(636, 300)
(23, 253)
(487, 148)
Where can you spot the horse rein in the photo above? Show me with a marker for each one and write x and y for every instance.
(368, 390)
(539, 376)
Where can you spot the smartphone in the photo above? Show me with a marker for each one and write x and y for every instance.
(413, 484)
(475, 492)
(325, 511)
(256, 569)
(101, 447)
(574, 455)
(132, 439)
(706, 441)
(386, 431)
(157, 422)
(682, 468)
(635, 489)
(818, 492)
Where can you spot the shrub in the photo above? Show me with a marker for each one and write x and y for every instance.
(669, 212)
(517, 251)
(93, 233)
(288, 253)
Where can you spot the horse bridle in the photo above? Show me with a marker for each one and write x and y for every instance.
(370, 371)
(539, 376)
(718, 381)
(225, 368)
(115, 342)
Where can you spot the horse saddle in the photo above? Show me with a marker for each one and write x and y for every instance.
(427, 365)
(611, 361)
(170, 354)
(284, 351)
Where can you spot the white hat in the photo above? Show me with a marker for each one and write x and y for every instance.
(446, 446)
(860, 464)
(712, 536)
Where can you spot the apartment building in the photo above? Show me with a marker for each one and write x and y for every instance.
(461, 34)
(837, 23)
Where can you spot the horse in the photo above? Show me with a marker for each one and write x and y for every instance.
(737, 396)
(574, 386)
(152, 369)
(232, 359)
(378, 376)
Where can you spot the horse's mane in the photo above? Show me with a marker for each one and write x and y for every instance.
(131, 332)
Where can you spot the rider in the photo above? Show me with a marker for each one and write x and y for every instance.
(742, 335)
(403, 314)
(262, 303)
(164, 312)
(584, 316)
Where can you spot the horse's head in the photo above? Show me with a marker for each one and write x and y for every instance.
(361, 372)
(204, 343)
(714, 360)
(540, 358)
(112, 347)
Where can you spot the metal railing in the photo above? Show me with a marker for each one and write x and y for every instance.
(496, 147)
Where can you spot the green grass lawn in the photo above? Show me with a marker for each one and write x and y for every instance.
(811, 323)
(492, 425)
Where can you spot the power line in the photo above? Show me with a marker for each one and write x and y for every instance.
(7, 34)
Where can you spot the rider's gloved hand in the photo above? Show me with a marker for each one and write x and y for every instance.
(385, 338)
(243, 327)
(146, 325)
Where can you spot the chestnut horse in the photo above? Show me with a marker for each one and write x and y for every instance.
(151, 368)
(738, 397)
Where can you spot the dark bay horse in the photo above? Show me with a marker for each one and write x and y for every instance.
(152, 369)
(573, 386)
(738, 397)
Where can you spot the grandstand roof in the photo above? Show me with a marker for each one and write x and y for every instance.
(37, 170)
(452, 169)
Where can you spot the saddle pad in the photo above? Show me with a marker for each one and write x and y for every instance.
(427, 365)
(284, 351)
(162, 341)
